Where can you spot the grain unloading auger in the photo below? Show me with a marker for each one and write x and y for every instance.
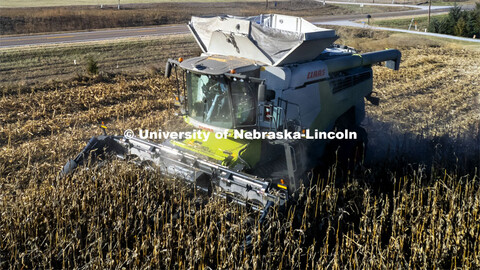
(270, 74)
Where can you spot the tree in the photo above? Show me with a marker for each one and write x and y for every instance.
(460, 28)
(455, 13)
(444, 26)
(92, 66)
(458, 22)
(434, 25)
(471, 24)
(476, 20)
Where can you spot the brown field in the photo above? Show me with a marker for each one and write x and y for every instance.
(414, 203)
(53, 19)
(22, 67)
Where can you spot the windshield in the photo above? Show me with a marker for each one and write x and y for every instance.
(209, 101)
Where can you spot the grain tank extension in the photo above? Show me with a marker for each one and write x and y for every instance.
(270, 74)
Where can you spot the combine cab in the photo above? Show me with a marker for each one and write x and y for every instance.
(275, 86)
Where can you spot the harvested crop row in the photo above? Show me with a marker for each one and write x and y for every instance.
(122, 215)
(391, 212)
(25, 66)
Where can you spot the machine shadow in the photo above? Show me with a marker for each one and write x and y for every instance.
(391, 154)
(400, 152)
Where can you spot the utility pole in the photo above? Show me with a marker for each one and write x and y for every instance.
(429, 7)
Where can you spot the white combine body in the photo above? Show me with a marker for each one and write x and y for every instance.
(268, 73)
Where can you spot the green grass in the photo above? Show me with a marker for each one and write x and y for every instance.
(422, 22)
(451, 3)
(442, 3)
(370, 9)
(416, 2)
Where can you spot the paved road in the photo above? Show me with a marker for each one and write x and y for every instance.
(84, 36)
(384, 5)
(13, 41)
(424, 9)
(414, 12)
(354, 24)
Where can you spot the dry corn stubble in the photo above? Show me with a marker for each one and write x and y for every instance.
(119, 215)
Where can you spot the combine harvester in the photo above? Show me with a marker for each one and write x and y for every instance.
(269, 73)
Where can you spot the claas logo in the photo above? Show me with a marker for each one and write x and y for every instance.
(316, 73)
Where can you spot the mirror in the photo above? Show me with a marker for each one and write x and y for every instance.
(261, 92)
(168, 69)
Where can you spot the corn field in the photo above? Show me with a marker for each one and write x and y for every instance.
(413, 203)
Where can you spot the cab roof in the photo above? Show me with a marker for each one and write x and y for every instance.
(219, 64)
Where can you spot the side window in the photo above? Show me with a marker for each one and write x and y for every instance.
(195, 95)
(244, 102)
